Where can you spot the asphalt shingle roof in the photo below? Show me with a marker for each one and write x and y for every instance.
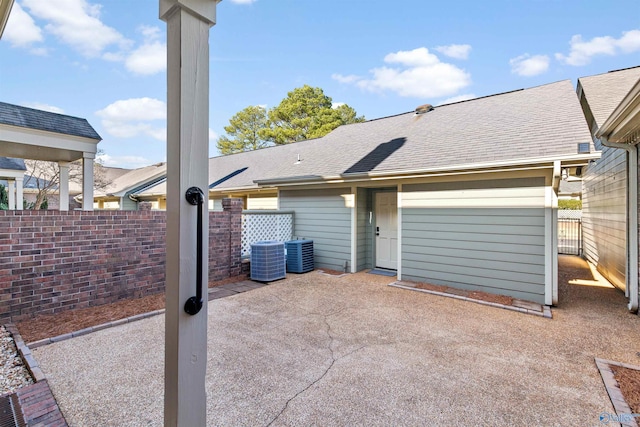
(16, 115)
(540, 122)
(134, 178)
(605, 91)
(12, 164)
(543, 121)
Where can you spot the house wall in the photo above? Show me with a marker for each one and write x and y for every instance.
(364, 248)
(604, 213)
(324, 216)
(257, 201)
(476, 235)
(127, 204)
(53, 261)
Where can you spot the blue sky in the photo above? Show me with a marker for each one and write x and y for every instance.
(105, 60)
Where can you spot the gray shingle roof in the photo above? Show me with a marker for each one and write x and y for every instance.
(544, 121)
(16, 115)
(12, 164)
(605, 91)
(540, 122)
(570, 187)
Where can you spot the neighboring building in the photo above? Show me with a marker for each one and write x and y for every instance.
(102, 177)
(12, 177)
(611, 103)
(570, 189)
(120, 194)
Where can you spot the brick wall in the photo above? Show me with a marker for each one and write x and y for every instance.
(53, 261)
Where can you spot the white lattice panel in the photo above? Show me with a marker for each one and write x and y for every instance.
(259, 227)
(569, 214)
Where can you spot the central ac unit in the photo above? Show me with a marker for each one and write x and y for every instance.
(299, 256)
(267, 261)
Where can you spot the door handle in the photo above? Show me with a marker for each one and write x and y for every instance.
(195, 197)
(377, 231)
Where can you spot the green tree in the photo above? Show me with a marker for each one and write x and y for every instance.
(244, 132)
(306, 113)
(4, 198)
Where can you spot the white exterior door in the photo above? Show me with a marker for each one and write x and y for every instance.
(386, 230)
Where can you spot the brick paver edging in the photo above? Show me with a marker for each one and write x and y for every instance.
(621, 407)
(37, 403)
(546, 310)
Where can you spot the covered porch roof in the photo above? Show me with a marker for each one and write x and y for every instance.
(27, 133)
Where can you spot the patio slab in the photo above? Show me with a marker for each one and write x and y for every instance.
(315, 349)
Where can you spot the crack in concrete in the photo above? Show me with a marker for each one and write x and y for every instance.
(326, 371)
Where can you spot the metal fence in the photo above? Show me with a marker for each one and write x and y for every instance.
(260, 225)
(569, 232)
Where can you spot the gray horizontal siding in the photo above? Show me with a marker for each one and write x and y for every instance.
(496, 250)
(362, 247)
(321, 215)
(604, 215)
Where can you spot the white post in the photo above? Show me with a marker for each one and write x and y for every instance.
(188, 23)
(87, 181)
(12, 194)
(63, 192)
(19, 195)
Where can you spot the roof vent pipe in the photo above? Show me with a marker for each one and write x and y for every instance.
(421, 109)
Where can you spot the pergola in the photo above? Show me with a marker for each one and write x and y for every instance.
(27, 133)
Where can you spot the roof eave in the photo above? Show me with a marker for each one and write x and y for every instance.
(537, 163)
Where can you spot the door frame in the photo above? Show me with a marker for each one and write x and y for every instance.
(374, 193)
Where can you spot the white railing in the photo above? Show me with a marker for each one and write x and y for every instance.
(259, 225)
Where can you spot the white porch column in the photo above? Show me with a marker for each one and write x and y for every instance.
(87, 181)
(188, 23)
(12, 194)
(63, 190)
(19, 194)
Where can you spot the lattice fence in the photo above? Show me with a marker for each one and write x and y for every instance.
(569, 214)
(261, 226)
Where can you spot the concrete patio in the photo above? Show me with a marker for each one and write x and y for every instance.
(316, 349)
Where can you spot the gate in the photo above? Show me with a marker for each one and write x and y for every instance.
(569, 232)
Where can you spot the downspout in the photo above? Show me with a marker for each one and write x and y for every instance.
(632, 226)
(557, 176)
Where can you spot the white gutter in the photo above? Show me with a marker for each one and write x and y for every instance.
(5, 11)
(632, 226)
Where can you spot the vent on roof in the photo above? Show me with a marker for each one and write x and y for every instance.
(584, 148)
(421, 109)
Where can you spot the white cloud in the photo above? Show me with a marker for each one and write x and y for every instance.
(77, 23)
(243, 1)
(527, 65)
(457, 51)
(44, 107)
(127, 162)
(582, 51)
(128, 118)
(151, 56)
(212, 135)
(351, 78)
(420, 74)
(458, 98)
(21, 30)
